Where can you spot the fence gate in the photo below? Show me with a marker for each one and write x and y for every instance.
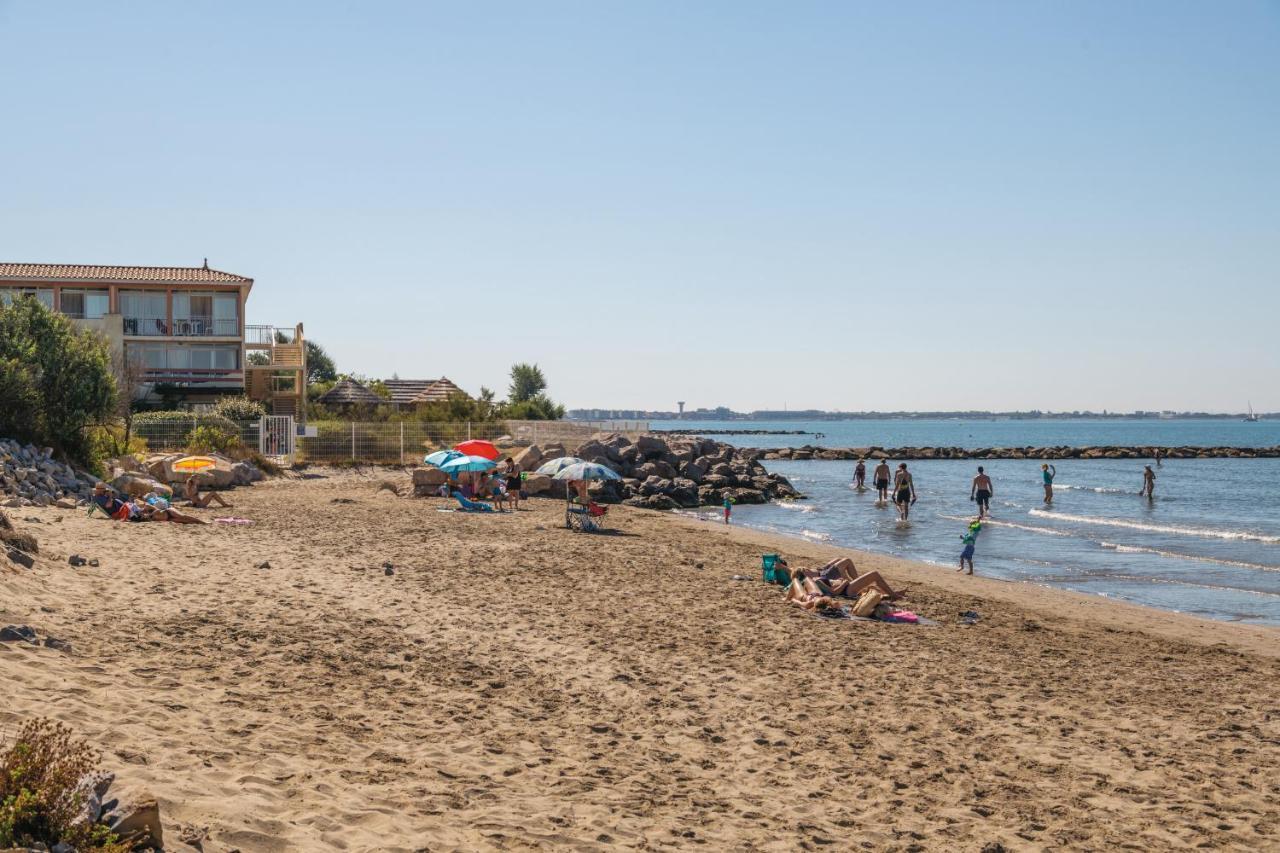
(276, 437)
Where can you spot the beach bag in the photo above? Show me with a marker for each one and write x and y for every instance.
(866, 604)
(767, 568)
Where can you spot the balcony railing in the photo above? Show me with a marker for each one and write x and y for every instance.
(183, 327)
(268, 335)
(193, 375)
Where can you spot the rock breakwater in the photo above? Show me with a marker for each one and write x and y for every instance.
(1057, 452)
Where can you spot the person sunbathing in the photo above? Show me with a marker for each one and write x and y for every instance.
(192, 492)
(805, 592)
(840, 577)
(155, 508)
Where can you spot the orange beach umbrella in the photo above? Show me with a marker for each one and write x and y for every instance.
(479, 447)
(194, 463)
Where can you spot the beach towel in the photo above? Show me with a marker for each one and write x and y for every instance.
(901, 616)
(469, 505)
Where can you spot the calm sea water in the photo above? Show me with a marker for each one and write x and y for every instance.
(996, 433)
(1208, 545)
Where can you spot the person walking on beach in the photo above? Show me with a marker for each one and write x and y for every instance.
(904, 491)
(1049, 472)
(882, 474)
(981, 491)
(860, 475)
(1148, 484)
(970, 539)
(515, 483)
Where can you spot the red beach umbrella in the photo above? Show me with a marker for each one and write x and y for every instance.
(478, 447)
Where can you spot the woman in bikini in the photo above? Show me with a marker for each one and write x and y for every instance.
(192, 492)
(840, 577)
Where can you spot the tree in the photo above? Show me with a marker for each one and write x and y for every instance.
(320, 367)
(130, 375)
(55, 379)
(527, 382)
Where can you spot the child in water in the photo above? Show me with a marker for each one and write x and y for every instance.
(728, 508)
(970, 539)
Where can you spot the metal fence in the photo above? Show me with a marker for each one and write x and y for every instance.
(389, 442)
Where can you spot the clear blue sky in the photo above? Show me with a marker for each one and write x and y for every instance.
(836, 205)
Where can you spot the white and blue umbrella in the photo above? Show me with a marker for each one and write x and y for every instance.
(588, 471)
(441, 456)
(555, 466)
(468, 463)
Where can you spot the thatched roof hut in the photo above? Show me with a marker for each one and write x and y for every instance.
(439, 391)
(348, 392)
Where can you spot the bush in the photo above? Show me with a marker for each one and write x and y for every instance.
(55, 379)
(240, 409)
(207, 438)
(41, 794)
(107, 442)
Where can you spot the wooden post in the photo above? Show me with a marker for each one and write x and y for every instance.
(353, 441)
(402, 442)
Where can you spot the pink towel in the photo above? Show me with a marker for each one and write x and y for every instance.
(902, 616)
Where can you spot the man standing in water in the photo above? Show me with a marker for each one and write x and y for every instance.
(982, 492)
(1148, 484)
(860, 474)
(1049, 473)
(882, 473)
(904, 491)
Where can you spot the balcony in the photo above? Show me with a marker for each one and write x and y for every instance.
(183, 327)
(194, 375)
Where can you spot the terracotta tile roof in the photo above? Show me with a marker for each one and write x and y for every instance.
(93, 272)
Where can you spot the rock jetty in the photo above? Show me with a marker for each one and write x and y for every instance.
(1057, 452)
(657, 472)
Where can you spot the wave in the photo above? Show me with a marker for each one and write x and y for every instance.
(1205, 532)
(816, 536)
(1138, 549)
(798, 507)
(1101, 490)
(993, 522)
(1162, 580)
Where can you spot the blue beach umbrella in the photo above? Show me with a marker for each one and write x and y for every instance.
(468, 463)
(587, 471)
(440, 457)
(555, 466)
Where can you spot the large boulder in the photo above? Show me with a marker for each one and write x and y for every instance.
(655, 468)
(136, 485)
(693, 471)
(430, 477)
(218, 477)
(537, 484)
(552, 451)
(594, 451)
(529, 459)
(684, 492)
(651, 446)
(244, 474)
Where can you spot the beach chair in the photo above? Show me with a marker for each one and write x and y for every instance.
(584, 518)
(467, 505)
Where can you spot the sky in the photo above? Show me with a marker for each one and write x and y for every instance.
(853, 206)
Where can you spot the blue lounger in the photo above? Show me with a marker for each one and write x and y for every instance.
(467, 505)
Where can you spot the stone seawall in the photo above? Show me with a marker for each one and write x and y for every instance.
(1063, 452)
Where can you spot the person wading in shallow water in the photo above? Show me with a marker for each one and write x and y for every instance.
(982, 492)
(904, 491)
(1049, 473)
(882, 474)
(1148, 484)
(860, 475)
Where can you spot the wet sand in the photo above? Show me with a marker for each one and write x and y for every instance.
(513, 685)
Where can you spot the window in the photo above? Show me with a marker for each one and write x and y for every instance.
(226, 314)
(85, 304)
(7, 295)
(145, 312)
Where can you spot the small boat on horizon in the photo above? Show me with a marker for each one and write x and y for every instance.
(1251, 418)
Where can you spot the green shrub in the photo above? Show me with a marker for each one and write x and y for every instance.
(211, 439)
(107, 442)
(240, 409)
(40, 793)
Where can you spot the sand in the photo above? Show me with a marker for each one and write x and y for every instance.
(513, 685)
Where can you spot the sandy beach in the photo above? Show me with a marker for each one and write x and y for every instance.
(513, 685)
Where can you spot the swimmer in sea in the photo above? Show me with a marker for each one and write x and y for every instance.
(982, 492)
(860, 475)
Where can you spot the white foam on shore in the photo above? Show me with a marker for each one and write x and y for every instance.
(992, 522)
(1203, 532)
(816, 536)
(798, 507)
(1101, 490)
(1138, 549)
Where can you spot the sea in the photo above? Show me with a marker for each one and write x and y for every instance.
(1207, 545)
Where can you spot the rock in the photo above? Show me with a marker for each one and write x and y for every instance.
(595, 451)
(135, 486)
(136, 817)
(663, 502)
(528, 459)
(244, 474)
(651, 446)
(218, 477)
(77, 560)
(656, 468)
(17, 633)
(65, 503)
(537, 484)
(429, 477)
(265, 564)
(59, 645)
(388, 571)
(553, 451)
(693, 471)
(22, 558)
